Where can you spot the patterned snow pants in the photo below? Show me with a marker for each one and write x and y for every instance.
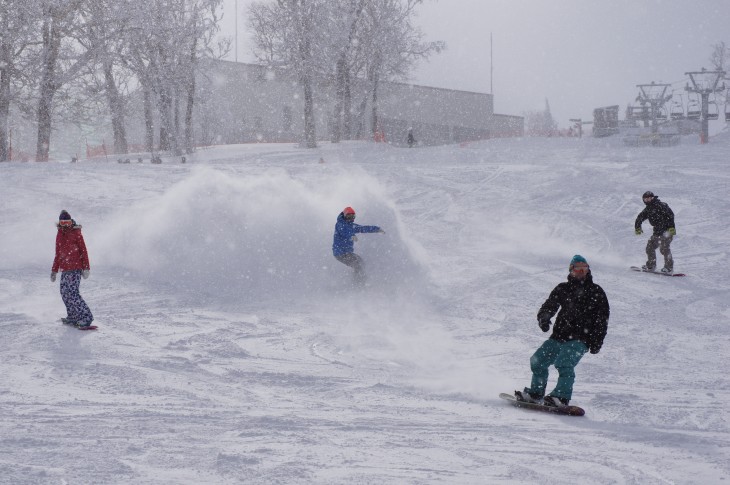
(76, 308)
(565, 356)
(661, 241)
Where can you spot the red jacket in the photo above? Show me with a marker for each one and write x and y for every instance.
(70, 250)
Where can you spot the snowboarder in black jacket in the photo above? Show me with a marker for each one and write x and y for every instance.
(661, 218)
(580, 327)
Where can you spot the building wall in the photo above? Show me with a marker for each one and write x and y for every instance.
(242, 103)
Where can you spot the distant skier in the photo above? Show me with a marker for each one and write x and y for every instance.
(410, 139)
(72, 260)
(580, 327)
(661, 218)
(343, 246)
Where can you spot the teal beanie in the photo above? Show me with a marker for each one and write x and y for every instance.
(577, 259)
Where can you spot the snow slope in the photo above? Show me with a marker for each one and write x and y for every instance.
(234, 349)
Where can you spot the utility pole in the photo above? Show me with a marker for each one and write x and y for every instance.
(655, 96)
(704, 83)
(491, 67)
(235, 49)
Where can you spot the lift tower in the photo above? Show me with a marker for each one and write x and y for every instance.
(655, 95)
(704, 83)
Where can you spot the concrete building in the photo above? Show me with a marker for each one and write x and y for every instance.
(243, 103)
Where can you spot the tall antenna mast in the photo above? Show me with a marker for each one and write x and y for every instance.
(491, 65)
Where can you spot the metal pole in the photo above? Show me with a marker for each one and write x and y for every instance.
(236, 15)
(491, 66)
(705, 122)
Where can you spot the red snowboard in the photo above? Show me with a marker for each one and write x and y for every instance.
(90, 327)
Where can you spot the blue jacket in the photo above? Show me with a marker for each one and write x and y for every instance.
(344, 230)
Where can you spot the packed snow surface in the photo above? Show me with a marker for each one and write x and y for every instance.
(233, 348)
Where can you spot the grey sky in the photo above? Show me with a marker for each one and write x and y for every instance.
(579, 54)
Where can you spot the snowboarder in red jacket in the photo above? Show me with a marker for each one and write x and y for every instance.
(72, 260)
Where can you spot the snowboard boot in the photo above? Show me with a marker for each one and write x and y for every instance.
(555, 401)
(666, 270)
(648, 267)
(526, 396)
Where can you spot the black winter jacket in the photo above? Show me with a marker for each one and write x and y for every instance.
(659, 214)
(583, 313)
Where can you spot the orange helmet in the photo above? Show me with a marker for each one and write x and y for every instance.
(348, 210)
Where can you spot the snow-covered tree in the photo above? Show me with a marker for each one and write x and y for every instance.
(391, 44)
(163, 46)
(540, 123)
(720, 56)
(19, 34)
(288, 34)
(340, 40)
(61, 60)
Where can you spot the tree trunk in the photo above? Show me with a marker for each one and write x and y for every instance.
(165, 109)
(339, 99)
(375, 80)
(305, 77)
(149, 123)
(176, 113)
(116, 107)
(6, 61)
(310, 133)
(48, 87)
(191, 99)
(347, 108)
(374, 123)
(4, 106)
(189, 118)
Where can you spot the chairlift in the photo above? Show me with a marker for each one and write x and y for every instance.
(661, 114)
(727, 112)
(694, 110)
(712, 110)
(676, 112)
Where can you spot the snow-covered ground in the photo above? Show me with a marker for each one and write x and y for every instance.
(233, 348)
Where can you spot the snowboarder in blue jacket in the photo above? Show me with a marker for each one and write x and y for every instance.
(343, 246)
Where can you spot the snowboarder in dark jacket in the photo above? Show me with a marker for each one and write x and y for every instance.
(343, 245)
(661, 218)
(580, 327)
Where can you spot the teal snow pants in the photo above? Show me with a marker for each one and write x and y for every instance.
(565, 356)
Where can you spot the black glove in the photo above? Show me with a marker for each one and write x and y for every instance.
(594, 349)
(543, 320)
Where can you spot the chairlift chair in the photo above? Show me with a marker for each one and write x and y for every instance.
(677, 111)
(727, 112)
(712, 110)
(661, 114)
(694, 111)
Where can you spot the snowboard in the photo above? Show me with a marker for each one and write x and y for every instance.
(90, 327)
(636, 268)
(563, 410)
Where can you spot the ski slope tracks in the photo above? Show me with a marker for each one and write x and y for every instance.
(233, 348)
